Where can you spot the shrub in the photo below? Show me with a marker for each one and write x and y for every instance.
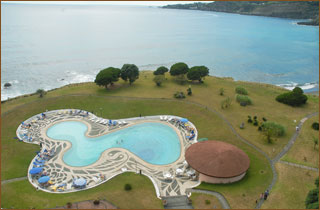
(158, 79)
(255, 117)
(259, 128)
(127, 187)
(226, 103)
(189, 91)
(255, 123)
(207, 202)
(264, 119)
(221, 91)
(315, 126)
(241, 90)
(41, 92)
(179, 95)
(272, 129)
(249, 119)
(243, 100)
(96, 202)
(293, 98)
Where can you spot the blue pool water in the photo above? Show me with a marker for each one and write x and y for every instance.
(155, 143)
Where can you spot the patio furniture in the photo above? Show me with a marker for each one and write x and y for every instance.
(80, 183)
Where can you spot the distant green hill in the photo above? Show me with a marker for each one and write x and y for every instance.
(282, 9)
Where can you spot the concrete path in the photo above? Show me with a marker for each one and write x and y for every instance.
(221, 198)
(177, 202)
(284, 151)
(13, 180)
(299, 165)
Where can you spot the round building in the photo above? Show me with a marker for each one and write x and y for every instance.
(217, 162)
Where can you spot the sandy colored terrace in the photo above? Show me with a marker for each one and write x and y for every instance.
(112, 162)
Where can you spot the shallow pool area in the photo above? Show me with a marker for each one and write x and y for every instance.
(155, 143)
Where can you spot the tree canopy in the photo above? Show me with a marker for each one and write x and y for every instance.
(129, 72)
(178, 69)
(161, 70)
(107, 76)
(197, 73)
(293, 98)
(312, 200)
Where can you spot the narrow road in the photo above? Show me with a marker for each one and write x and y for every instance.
(219, 196)
(13, 180)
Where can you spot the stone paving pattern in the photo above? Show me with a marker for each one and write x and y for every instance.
(113, 161)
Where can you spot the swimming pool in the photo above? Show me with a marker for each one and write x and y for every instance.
(155, 143)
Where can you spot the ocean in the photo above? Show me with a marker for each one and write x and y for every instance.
(49, 46)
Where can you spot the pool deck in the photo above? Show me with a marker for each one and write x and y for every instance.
(112, 162)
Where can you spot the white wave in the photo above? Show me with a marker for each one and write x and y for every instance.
(305, 86)
(82, 78)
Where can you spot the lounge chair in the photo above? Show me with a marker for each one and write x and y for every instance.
(165, 118)
(96, 179)
(161, 118)
(124, 169)
(124, 122)
(105, 122)
(119, 123)
(170, 118)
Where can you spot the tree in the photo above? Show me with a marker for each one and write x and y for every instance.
(158, 79)
(41, 92)
(293, 98)
(107, 76)
(315, 142)
(194, 73)
(312, 199)
(129, 71)
(178, 69)
(189, 91)
(272, 129)
(197, 73)
(161, 70)
(226, 103)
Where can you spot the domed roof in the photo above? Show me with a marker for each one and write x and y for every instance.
(217, 159)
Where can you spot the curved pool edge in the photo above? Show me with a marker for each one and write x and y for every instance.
(148, 169)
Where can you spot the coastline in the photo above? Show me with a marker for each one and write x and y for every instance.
(309, 91)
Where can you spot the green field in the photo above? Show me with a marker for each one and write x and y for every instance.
(145, 98)
(291, 188)
(304, 151)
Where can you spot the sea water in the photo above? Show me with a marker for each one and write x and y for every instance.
(48, 46)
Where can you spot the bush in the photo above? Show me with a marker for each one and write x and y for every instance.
(158, 79)
(96, 202)
(221, 91)
(207, 202)
(243, 99)
(259, 128)
(255, 123)
(315, 126)
(189, 91)
(249, 119)
(179, 95)
(293, 98)
(226, 103)
(275, 128)
(127, 187)
(255, 117)
(241, 90)
(264, 119)
(41, 92)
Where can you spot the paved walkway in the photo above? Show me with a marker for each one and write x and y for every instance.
(299, 165)
(13, 180)
(284, 151)
(221, 198)
(103, 204)
(177, 202)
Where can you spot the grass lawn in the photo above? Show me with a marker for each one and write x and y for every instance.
(22, 195)
(199, 201)
(243, 194)
(291, 188)
(208, 124)
(303, 151)
(262, 95)
(16, 156)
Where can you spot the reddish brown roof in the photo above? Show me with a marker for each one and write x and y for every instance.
(217, 159)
